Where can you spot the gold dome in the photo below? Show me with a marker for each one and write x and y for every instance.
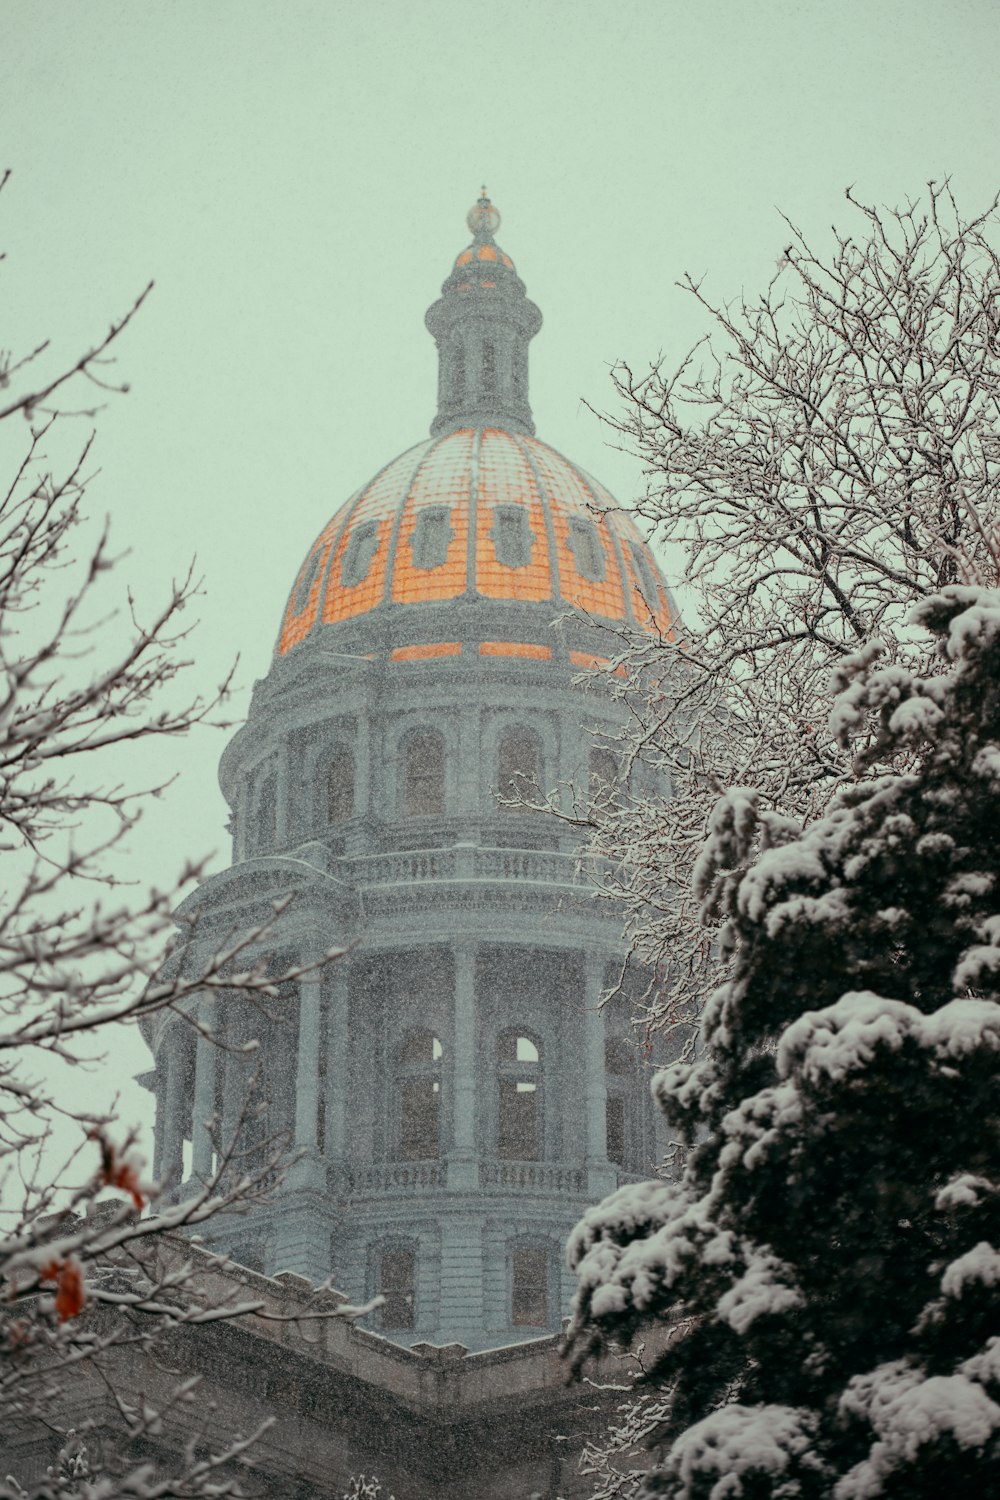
(478, 512)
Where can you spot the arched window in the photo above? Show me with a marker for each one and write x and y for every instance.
(397, 1284)
(603, 773)
(519, 1133)
(423, 774)
(529, 1288)
(340, 785)
(617, 1066)
(419, 1079)
(489, 366)
(519, 764)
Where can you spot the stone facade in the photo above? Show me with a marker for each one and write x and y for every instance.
(453, 1091)
(334, 1400)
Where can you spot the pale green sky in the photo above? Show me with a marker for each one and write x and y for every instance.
(295, 177)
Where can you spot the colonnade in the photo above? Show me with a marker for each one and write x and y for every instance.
(204, 1066)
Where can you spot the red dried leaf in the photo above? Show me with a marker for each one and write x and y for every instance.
(126, 1178)
(70, 1293)
(117, 1172)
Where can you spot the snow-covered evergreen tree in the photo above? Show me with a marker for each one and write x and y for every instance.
(835, 1238)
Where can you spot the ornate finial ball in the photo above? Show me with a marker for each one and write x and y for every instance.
(482, 217)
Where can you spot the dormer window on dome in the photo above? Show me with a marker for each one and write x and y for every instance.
(512, 536)
(489, 513)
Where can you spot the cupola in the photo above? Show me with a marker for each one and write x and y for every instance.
(482, 325)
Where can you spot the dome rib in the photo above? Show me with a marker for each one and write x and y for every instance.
(608, 508)
(544, 498)
(389, 596)
(472, 549)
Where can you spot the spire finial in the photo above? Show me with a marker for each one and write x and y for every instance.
(482, 218)
(482, 325)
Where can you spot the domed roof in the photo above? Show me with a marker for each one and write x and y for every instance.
(483, 510)
(479, 512)
(483, 221)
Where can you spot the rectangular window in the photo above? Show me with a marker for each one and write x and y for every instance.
(458, 373)
(432, 536)
(588, 554)
(397, 1286)
(603, 773)
(529, 1299)
(423, 785)
(306, 581)
(362, 545)
(489, 367)
(340, 785)
(512, 536)
(519, 766)
(517, 1128)
(646, 577)
(420, 1101)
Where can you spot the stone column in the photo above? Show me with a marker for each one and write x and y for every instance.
(337, 1056)
(462, 1171)
(241, 822)
(159, 1128)
(307, 1172)
(234, 1071)
(206, 1056)
(460, 1319)
(172, 1158)
(601, 1175)
(574, 743)
(362, 761)
(471, 786)
(283, 798)
(304, 1223)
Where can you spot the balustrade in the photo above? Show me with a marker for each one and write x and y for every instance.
(392, 1178)
(531, 1176)
(395, 1177)
(466, 862)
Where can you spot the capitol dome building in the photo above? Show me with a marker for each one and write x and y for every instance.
(451, 1089)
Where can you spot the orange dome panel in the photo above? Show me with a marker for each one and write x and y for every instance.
(427, 653)
(525, 649)
(589, 577)
(356, 581)
(538, 530)
(647, 594)
(432, 547)
(300, 616)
